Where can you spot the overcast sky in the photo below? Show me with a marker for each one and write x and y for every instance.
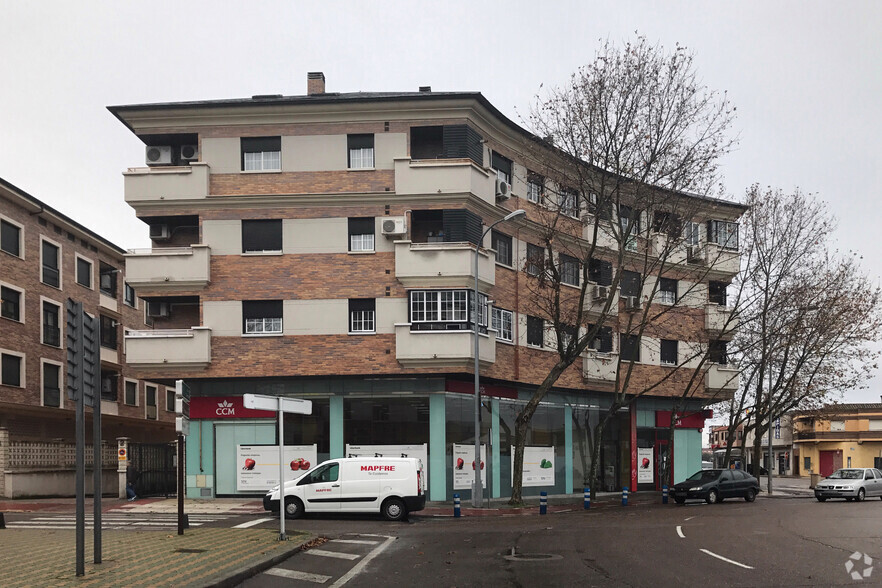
(806, 78)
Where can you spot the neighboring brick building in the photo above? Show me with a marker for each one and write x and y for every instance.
(46, 258)
(837, 436)
(321, 246)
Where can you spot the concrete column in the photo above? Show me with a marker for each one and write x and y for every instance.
(438, 447)
(495, 458)
(4, 459)
(568, 448)
(337, 447)
(122, 446)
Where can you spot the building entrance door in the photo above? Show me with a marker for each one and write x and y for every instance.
(829, 462)
(662, 460)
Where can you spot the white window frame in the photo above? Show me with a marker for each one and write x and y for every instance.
(155, 400)
(837, 425)
(569, 202)
(166, 394)
(137, 384)
(724, 233)
(667, 297)
(661, 359)
(692, 234)
(534, 191)
(563, 274)
(263, 326)
(361, 158)
(56, 244)
(503, 323)
(21, 238)
(262, 161)
(21, 303)
(61, 382)
(23, 371)
(62, 322)
(361, 243)
(363, 321)
(135, 300)
(77, 258)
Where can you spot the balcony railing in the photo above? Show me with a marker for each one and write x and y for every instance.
(443, 265)
(838, 435)
(600, 367)
(441, 348)
(721, 377)
(168, 269)
(445, 176)
(169, 348)
(146, 184)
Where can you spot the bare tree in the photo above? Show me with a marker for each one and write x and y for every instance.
(627, 157)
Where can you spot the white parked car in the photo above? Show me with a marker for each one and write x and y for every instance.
(391, 486)
(850, 484)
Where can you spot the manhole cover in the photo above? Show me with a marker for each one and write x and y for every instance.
(184, 550)
(532, 557)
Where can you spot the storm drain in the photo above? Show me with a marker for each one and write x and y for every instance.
(514, 556)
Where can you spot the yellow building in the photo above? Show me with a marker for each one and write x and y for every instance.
(838, 436)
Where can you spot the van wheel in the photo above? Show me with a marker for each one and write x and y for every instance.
(394, 509)
(293, 507)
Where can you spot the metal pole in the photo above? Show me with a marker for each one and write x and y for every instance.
(97, 471)
(769, 471)
(478, 492)
(181, 485)
(282, 536)
(80, 432)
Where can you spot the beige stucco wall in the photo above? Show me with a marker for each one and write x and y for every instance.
(223, 317)
(223, 155)
(223, 236)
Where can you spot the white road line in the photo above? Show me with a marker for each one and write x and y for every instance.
(251, 523)
(356, 569)
(688, 518)
(353, 541)
(680, 532)
(295, 575)
(727, 560)
(336, 554)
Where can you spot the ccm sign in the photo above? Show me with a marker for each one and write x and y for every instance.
(224, 407)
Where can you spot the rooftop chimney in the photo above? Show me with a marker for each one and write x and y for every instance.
(315, 83)
(425, 88)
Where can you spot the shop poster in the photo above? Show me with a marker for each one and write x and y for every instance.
(538, 466)
(645, 469)
(258, 465)
(463, 470)
(420, 452)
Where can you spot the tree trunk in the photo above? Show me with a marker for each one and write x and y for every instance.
(595, 455)
(517, 463)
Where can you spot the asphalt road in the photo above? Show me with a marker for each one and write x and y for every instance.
(772, 542)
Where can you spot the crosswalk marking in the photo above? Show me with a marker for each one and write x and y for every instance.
(336, 554)
(113, 521)
(295, 575)
(354, 541)
(251, 523)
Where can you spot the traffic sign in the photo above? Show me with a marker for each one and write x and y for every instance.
(182, 425)
(277, 403)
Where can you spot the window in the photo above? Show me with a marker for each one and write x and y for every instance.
(108, 334)
(569, 202)
(108, 385)
(666, 223)
(691, 234)
(447, 142)
(806, 463)
(837, 425)
(603, 340)
(262, 317)
(629, 347)
(668, 352)
(629, 220)
(129, 295)
(131, 393)
(535, 187)
(535, 259)
(261, 153)
(51, 325)
(567, 334)
(10, 238)
(361, 151)
(535, 331)
(723, 233)
(84, 272)
(10, 370)
(716, 293)
(569, 270)
(502, 322)
(10, 303)
(51, 385)
(445, 310)
(169, 399)
(630, 283)
(362, 315)
(502, 166)
(601, 207)
(667, 291)
(150, 401)
(502, 245)
(259, 236)
(107, 279)
(716, 352)
(50, 260)
(600, 272)
(361, 234)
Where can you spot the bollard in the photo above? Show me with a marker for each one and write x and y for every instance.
(665, 494)
(543, 503)
(2, 522)
(456, 506)
(625, 496)
(587, 497)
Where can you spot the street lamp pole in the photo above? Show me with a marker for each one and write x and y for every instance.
(769, 473)
(478, 491)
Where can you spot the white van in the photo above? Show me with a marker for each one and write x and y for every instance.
(391, 486)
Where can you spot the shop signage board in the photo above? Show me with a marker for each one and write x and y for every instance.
(645, 466)
(463, 473)
(420, 452)
(225, 407)
(258, 465)
(538, 466)
(683, 420)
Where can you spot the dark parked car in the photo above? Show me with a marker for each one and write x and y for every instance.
(716, 485)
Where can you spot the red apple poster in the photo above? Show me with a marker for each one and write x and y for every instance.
(463, 472)
(258, 465)
(645, 471)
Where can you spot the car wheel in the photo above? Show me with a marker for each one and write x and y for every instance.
(293, 507)
(820, 498)
(394, 509)
(861, 495)
(713, 496)
(680, 500)
(750, 496)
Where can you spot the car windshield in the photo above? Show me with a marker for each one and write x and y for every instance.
(704, 476)
(847, 475)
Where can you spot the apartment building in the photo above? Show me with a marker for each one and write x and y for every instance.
(45, 259)
(322, 246)
(837, 436)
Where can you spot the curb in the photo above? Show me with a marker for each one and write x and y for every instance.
(259, 567)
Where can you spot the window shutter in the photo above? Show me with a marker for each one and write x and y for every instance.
(461, 225)
(630, 283)
(257, 144)
(360, 141)
(361, 226)
(356, 304)
(462, 141)
(262, 235)
(261, 309)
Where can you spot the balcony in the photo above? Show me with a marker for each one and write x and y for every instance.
(720, 260)
(719, 320)
(169, 348)
(155, 184)
(600, 367)
(441, 348)
(595, 300)
(443, 265)
(444, 176)
(671, 249)
(722, 378)
(169, 269)
(605, 237)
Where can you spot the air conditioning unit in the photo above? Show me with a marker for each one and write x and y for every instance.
(158, 155)
(159, 232)
(601, 293)
(394, 225)
(632, 302)
(503, 189)
(157, 309)
(694, 254)
(189, 152)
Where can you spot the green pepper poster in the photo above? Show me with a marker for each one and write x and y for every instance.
(538, 466)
